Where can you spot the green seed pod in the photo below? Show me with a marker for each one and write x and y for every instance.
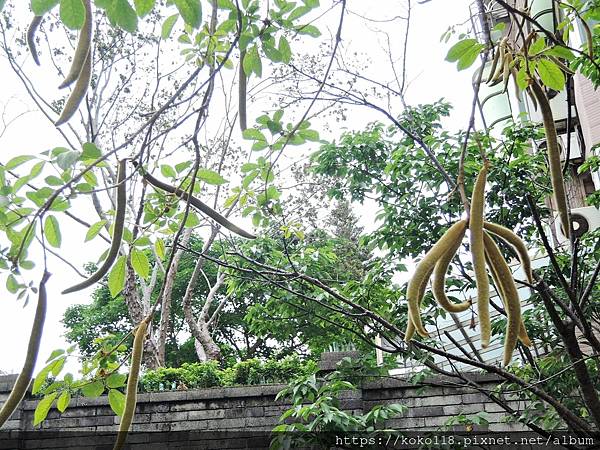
(478, 255)
(242, 94)
(195, 202)
(33, 26)
(511, 297)
(423, 272)
(554, 163)
(84, 45)
(132, 384)
(516, 243)
(78, 93)
(439, 279)
(35, 338)
(117, 233)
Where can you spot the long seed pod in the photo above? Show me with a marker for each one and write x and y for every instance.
(117, 232)
(84, 44)
(439, 279)
(500, 66)
(589, 39)
(410, 326)
(33, 26)
(423, 271)
(508, 60)
(195, 202)
(20, 388)
(516, 243)
(494, 65)
(78, 93)
(478, 255)
(523, 336)
(132, 384)
(242, 86)
(556, 176)
(512, 300)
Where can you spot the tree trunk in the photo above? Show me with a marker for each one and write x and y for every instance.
(165, 311)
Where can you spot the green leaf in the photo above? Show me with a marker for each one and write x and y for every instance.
(285, 50)
(116, 400)
(57, 366)
(253, 134)
(90, 151)
(460, 49)
(537, 46)
(116, 380)
(252, 62)
(52, 231)
(123, 15)
(309, 135)
(56, 353)
(66, 160)
(192, 220)
(468, 57)
(159, 246)
(43, 407)
(143, 7)
(272, 53)
(560, 52)
(522, 79)
(116, 277)
(63, 401)
(298, 12)
(211, 177)
(72, 13)
(191, 11)
(94, 230)
(12, 285)
(2, 2)
(41, 7)
(93, 390)
(550, 74)
(140, 263)
(167, 26)
(17, 161)
(168, 171)
(311, 30)
(53, 180)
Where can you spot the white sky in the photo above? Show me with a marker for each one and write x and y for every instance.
(431, 78)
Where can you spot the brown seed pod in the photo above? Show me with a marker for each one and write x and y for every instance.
(132, 384)
(78, 93)
(478, 255)
(117, 233)
(516, 243)
(24, 379)
(423, 271)
(33, 26)
(195, 202)
(439, 279)
(84, 45)
(512, 302)
(554, 163)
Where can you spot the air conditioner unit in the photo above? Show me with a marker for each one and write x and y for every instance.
(575, 150)
(584, 220)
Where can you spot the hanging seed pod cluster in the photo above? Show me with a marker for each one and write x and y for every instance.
(80, 71)
(487, 259)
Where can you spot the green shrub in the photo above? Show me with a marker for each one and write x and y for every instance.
(208, 374)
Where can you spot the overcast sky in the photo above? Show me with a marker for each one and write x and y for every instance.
(430, 79)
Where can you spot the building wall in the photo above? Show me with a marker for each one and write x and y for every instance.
(233, 411)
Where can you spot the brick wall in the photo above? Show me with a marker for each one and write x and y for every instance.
(88, 423)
